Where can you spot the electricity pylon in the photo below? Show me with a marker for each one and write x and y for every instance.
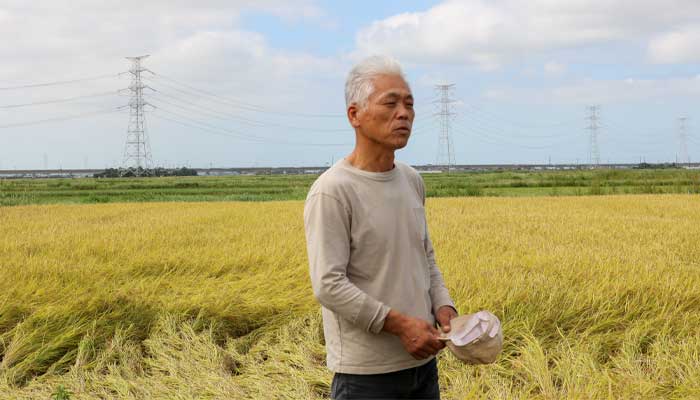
(593, 125)
(683, 141)
(446, 156)
(137, 150)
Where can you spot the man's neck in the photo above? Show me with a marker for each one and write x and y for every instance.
(379, 160)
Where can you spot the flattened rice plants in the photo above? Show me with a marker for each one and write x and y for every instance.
(599, 297)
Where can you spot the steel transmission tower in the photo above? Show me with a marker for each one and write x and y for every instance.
(593, 125)
(683, 141)
(446, 156)
(137, 150)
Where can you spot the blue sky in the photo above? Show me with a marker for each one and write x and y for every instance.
(260, 83)
(337, 34)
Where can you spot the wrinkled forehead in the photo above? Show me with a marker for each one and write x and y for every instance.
(390, 86)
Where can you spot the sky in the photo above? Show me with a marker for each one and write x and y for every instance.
(241, 83)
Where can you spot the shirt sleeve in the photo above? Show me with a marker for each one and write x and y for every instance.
(327, 227)
(439, 295)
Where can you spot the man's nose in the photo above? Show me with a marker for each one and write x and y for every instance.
(403, 112)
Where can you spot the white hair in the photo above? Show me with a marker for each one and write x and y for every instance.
(359, 85)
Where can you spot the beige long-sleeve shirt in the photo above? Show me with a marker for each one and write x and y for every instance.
(369, 251)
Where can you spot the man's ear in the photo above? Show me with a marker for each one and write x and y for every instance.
(353, 112)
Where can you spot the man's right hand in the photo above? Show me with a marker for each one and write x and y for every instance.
(418, 337)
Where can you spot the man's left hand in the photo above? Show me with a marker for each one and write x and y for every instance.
(444, 316)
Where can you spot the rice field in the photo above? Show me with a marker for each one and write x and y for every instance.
(501, 183)
(599, 298)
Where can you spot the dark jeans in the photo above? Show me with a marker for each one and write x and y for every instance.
(413, 383)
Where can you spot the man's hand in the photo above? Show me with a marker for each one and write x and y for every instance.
(444, 315)
(418, 337)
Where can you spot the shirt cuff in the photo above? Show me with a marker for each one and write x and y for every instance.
(443, 299)
(371, 315)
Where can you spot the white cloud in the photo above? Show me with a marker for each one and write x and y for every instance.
(677, 46)
(72, 38)
(554, 68)
(489, 33)
(601, 91)
(240, 62)
(202, 44)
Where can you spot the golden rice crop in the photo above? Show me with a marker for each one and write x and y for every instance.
(599, 298)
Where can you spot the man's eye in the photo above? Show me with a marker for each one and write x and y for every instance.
(409, 105)
(390, 104)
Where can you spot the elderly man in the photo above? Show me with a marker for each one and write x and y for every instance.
(372, 264)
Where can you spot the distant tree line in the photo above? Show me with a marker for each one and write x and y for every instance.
(144, 172)
(646, 165)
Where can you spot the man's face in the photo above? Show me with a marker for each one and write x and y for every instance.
(387, 118)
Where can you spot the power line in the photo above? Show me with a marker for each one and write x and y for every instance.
(247, 106)
(192, 107)
(202, 110)
(484, 123)
(219, 100)
(421, 130)
(234, 134)
(643, 142)
(503, 137)
(492, 116)
(487, 137)
(191, 89)
(692, 139)
(200, 126)
(43, 121)
(647, 136)
(210, 126)
(35, 85)
(238, 134)
(608, 124)
(63, 100)
(227, 102)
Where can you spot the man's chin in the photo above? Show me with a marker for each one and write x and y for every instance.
(400, 144)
